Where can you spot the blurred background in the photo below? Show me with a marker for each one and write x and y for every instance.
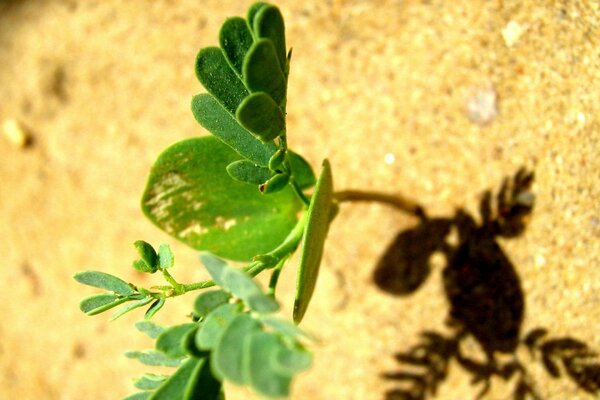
(435, 99)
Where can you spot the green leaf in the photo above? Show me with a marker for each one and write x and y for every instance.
(277, 159)
(170, 341)
(211, 330)
(248, 172)
(227, 358)
(148, 256)
(149, 381)
(301, 170)
(283, 327)
(275, 184)
(190, 195)
(235, 40)
(213, 117)
(175, 387)
(253, 10)
(139, 396)
(154, 308)
(315, 233)
(259, 114)
(217, 77)
(89, 305)
(130, 307)
(208, 301)
(154, 358)
(268, 23)
(165, 256)
(142, 266)
(189, 344)
(104, 281)
(289, 362)
(151, 329)
(259, 348)
(261, 71)
(203, 385)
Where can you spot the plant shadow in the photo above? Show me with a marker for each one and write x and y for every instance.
(486, 302)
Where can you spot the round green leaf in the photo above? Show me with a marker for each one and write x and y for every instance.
(289, 362)
(208, 301)
(241, 285)
(166, 259)
(148, 256)
(315, 234)
(260, 115)
(301, 170)
(190, 195)
(227, 358)
(170, 341)
(258, 371)
(248, 172)
(211, 330)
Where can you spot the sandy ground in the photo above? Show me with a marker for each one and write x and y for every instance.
(438, 100)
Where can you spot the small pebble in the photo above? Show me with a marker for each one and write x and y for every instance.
(482, 106)
(512, 32)
(389, 158)
(16, 133)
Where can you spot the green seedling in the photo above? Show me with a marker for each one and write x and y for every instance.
(240, 195)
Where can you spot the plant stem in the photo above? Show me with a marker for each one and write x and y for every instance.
(398, 201)
(298, 192)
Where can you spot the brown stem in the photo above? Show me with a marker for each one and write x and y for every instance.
(397, 201)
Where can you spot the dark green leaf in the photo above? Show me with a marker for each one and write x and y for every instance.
(189, 344)
(142, 266)
(253, 10)
(217, 77)
(190, 195)
(151, 329)
(259, 114)
(139, 396)
(259, 348)
(211, 330)
(248, 172)
(149, 381)
(301, 170)
(228, 355)
(154, 308)
(208, 301)
(203, 385)
(148, 256)
(165, 256)
(104, 281)
(235, 40)
(90, 304)
(213, 117)
(277, 159)
(170, 341)
(130, 307)
(275, 184)
(154, 358)
(268, 23)
(262, 73)
(175, 387)
(315, 233)
(289, 362)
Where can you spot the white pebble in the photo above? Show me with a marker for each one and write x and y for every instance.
(16, 133)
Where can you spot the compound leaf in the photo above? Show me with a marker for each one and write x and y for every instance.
(235, 39)
(301, 170)
(259, 114)
(268, 23)
(190, 195)
(170, 341)
(130, 307)
(103, 280)
(262, 73)
(315, 234)
(213, 117)
(154, 358)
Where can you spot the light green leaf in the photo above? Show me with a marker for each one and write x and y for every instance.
(154, 358)
(170, 341)
(103, 280)
(203, 385)
(154, 308)
(262, 73)
(104, 301)
(277, 159)
(283, 327)
(215, 266)
(227, 357)
(149, 381)
(208, 301)
(166, 259)
(148, 257)
(175, 387)
(275, 184)
(301, 170)
(258, 371)
(189, 344)
(130, 307)
(151, 329)
(289, 362)
(213, 117)
(139, 396)
(190, 195)
(259, 114)
(235, 40)
(217, 77)
(211, 330)
(248, 172)
(268, 23)
(315, 233)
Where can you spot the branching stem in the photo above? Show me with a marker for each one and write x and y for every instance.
(397, 201)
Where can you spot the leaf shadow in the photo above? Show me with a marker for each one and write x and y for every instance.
(486, 302)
